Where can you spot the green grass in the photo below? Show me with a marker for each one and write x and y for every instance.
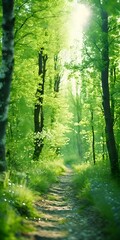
(20, 192)
(96, 184)
(20, 197)
(44, 173)
(10, 222)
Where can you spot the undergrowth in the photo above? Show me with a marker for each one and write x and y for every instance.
(10, 222)
(20, 192)
(96, 184)
(44, 173)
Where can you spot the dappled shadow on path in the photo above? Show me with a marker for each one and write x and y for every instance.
(63, 217)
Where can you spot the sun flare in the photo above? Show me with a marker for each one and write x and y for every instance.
(79, 18)
(81, 14)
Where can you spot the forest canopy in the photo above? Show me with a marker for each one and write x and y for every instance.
(59, 94)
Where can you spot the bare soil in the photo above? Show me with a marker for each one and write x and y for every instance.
(64, 217)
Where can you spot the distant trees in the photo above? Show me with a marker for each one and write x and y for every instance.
(88, 122)
(99, 76)
(98, 89)
(39, 112)
(6, 72)
(31, 125)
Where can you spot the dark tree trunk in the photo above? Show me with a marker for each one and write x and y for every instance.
(57, 83)
(110, 138)
(103, 147)
(56, 91)
(93, 135)
(56, 86)
(112, 88)
(57, 76)
(38, 110)
(6, 72)
(78, 127)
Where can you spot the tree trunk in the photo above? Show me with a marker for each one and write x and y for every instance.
(57, 76)
(112, 88)
(78, 127)
(38, 110)
(110, 138)
(93, 135)
(6, 72)
(56, 91)
(103, 146)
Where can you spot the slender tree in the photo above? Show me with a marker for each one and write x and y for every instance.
(6, 72)
(100, 54)
(110, 138)
(93, 134)
(38, 110)
(57, 75)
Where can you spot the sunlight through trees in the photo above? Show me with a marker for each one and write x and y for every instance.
(64, 107)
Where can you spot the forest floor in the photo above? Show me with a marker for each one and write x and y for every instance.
(63, 216)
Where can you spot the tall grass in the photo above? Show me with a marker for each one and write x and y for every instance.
(20, 192)
(10, 222)
(44, 173)
(96, 184)
(16, 205)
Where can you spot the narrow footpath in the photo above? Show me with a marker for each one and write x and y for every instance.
(66, 218)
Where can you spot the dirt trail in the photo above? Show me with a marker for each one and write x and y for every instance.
(66, 218)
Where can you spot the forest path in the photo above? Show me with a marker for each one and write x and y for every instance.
(66, 218)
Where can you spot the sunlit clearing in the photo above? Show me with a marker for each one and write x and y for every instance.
(79, 19)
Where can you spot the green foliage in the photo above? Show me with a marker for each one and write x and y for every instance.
(10, 222)
(86, 99)
(20, 192)
(16, 206)
(20, 197)
(95, 184)
(30, 16)
(44, 24)
(70, 159)
(44, 173)
(86, 93)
